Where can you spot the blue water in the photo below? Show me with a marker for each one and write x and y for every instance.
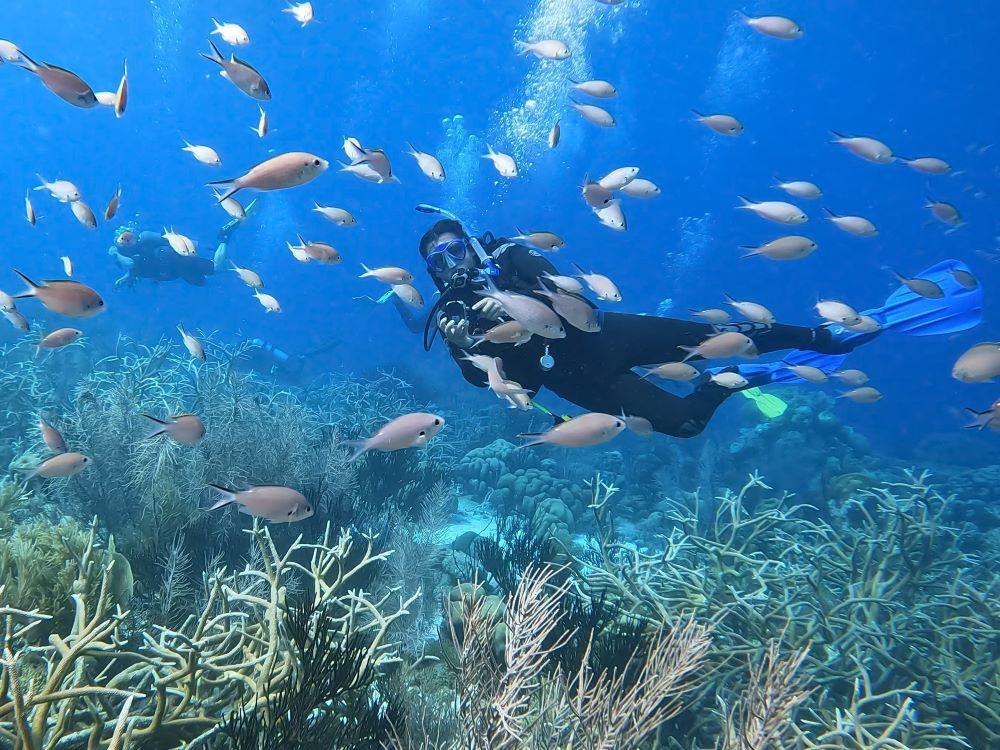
(392, 72)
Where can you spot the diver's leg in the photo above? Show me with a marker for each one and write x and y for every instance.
(220, 257)
(634, 340)
(669, 414)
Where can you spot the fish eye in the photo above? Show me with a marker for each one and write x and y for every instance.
(422, 433)
(437, 421)
(316, 162)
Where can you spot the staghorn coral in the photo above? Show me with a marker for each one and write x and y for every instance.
(885, 598)
(39, 564)
(183, 681)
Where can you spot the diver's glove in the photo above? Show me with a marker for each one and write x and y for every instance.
(489, 308)
(456, 331)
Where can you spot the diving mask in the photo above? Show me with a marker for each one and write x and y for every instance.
(446, 255)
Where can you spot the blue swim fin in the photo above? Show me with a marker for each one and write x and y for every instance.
(959, 309)
(905, 311)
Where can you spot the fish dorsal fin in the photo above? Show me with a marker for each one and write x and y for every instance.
(244, 63)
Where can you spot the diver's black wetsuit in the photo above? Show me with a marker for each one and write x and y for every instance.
(594, 370)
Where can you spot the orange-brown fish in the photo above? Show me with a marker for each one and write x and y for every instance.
(407, 431)
(121, 95)
(112, 209)
(277, 173)
(63, 465)
(65, 84)
(59, 338)
(69, 298)
(52, 438)
(584, 431)
(271, 502)
(185, 429)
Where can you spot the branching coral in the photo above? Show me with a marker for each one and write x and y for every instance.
(184, 680)
(888, 585)
(521, 701)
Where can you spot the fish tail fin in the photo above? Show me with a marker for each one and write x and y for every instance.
(182, 329)
(578, 269)
(830, 214)
(228, 496)
(751, 251)
(838, 136)
(744, 201)
(358, 446)
(978, 422)
(41, 180)
(161, 426)
(691, 352)
(523, 48)
(215, 56)
(29, 472)
(697, 114)
(367, 272)
(535, 439)
(231, 188)
(31, 65)
(32, 286)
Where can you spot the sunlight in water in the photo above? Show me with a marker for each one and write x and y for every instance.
(169, 18)
(740, 75)
(522, 122)
(461, 153)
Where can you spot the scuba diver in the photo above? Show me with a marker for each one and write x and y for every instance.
(594, 370)
(147, 255)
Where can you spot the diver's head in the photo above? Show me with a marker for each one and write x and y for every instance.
(447, 251)
(125, 237)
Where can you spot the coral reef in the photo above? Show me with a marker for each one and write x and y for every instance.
(801, 446)
(175, 686)
(883, 599)
(39, 564)
(150, 493)
(516, 480)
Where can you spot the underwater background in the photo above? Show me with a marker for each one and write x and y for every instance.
(883, 575)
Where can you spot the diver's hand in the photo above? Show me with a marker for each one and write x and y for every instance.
(456, 332)
(489, 308)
